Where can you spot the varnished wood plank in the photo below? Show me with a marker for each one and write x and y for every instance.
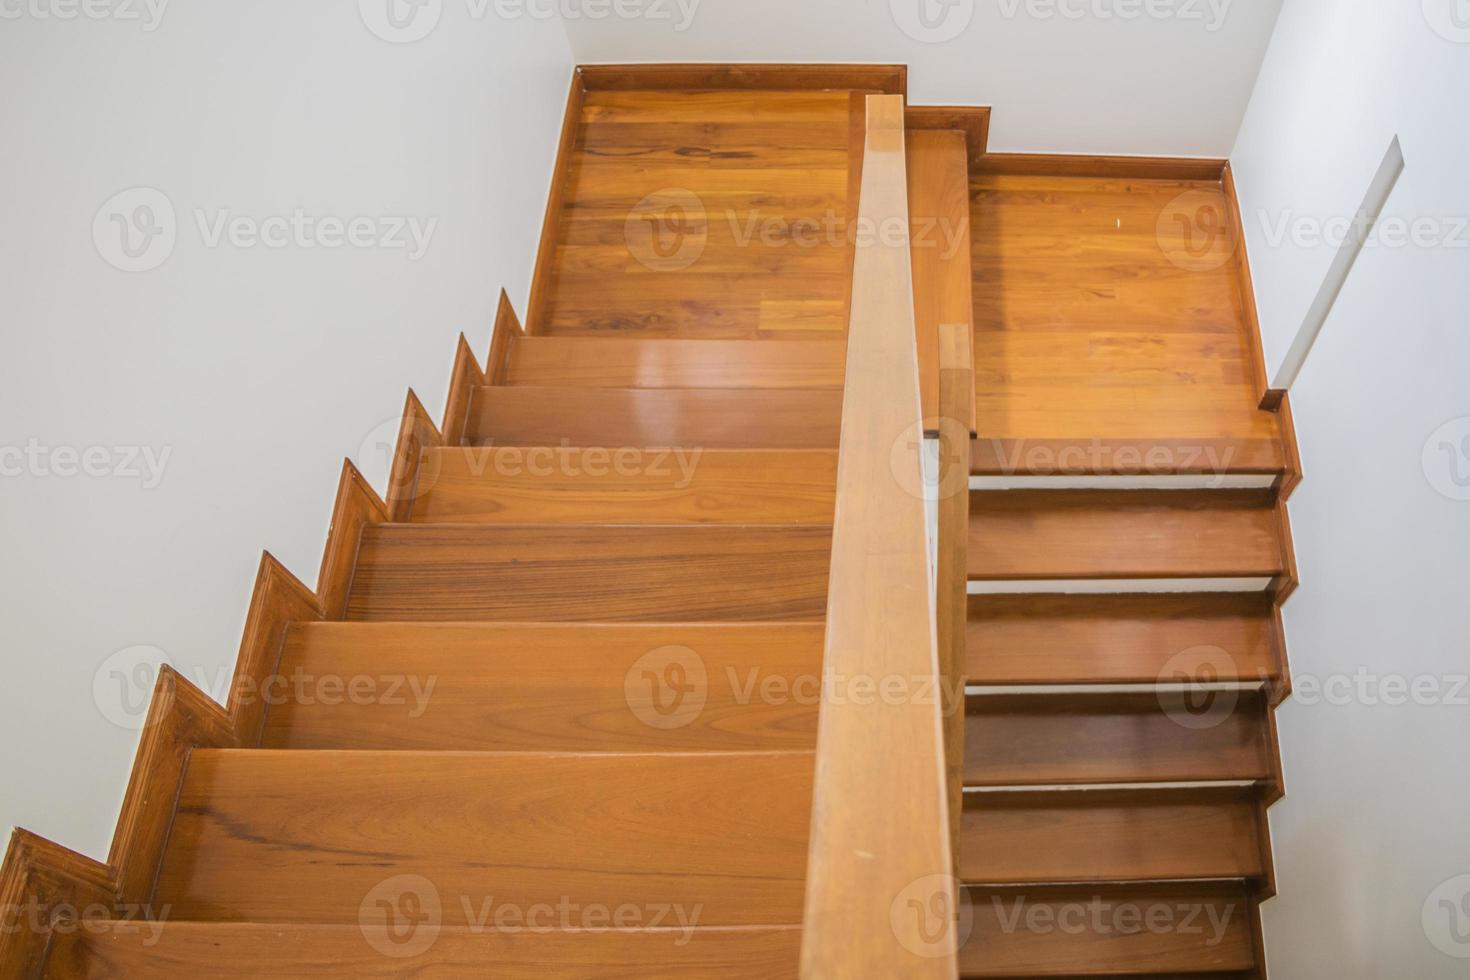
(1121, 639)
(247, 951)
(1113, 931)
(597, 362)
(939, 219)
(973, 121)
(308, 836)
(1110, 835)
(417, 436)
(1167, 736)
(43, 884)
(1082, 165)
(544, 275)
(1044, 534)
(357, 506)
(864, 856)
(550, 484)
(465, 377)
(892, 79)
(546, 687)
(579, 573)
(956, 397)
(708, 418)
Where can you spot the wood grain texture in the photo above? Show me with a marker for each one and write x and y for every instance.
(561, 175)
(1059, 739)
(465, 377)
(1197, 930)
(939, 241)
(891, 79)
(593, 573)
(308, 836)
(1112, 167)
(548, 485)
(972, 121)
(709, 418)
(417, 435)
(279, 599)
(357, 507)
(597, 362)
(43, 884)
(703, 214)
(1095, 534)
(181, 718)
(247, 951)
(541, 687)
(1122, 639)
(506, 334)
(1110, 835)
(865, 854)
(1110, 328)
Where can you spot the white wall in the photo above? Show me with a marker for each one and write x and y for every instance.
(1064, 76)
(258, 368)
(1377, 792)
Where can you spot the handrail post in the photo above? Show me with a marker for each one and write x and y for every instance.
(956, 406)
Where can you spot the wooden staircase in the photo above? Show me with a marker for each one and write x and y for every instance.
(569, 699)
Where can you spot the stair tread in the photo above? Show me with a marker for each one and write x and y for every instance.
(1055, 739)
(711, 418)
(1257, 449)
(591, 573)
(1197, 929)
(288, 951)
(549, 687)
(1098, 534)
(1059, 836)
(673, 363)
(1120, 639)
(267, 836)
(546, 484)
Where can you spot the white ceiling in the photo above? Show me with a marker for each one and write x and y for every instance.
(1080, 76)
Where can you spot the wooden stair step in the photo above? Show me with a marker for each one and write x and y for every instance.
(696, 687)
(248, 951)
(547, 484)
(1067, 836)
(1167, 736)
(1198, 930)
(1074, 535)
(267, 836)
(1259, 452)
(1121, 639)
(710, 418)
(590, 573)
(595, 362)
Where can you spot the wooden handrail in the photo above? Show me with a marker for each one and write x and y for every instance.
(880, 899)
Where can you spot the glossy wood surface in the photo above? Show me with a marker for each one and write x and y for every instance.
(956, 390)
(248, 951)
(776, 76)
(1121, 639)
(591, 573)
(880, 819)
(1072, 534)
(1108, 320)
(704, 214)
(598, 362)
(1110, 835)
(709, 418)
(1208, 932)
(544, 485)
(307, 836)
(542, 687)
(1163, 736)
